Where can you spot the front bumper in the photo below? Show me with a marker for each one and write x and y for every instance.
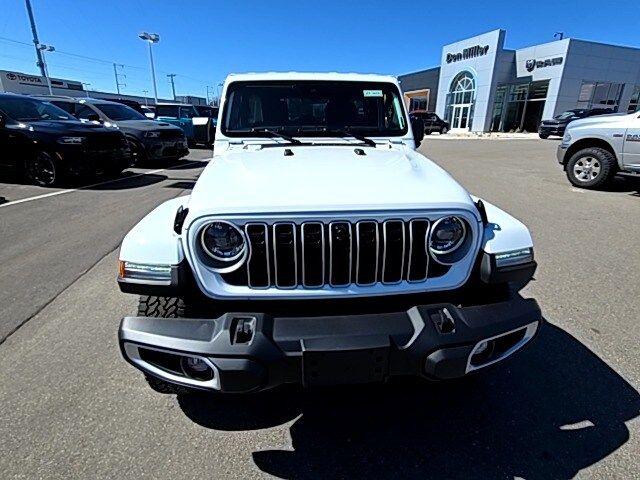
(552, 129)
(248, 352)
(561, 153)
(160, 149)
(81, 161)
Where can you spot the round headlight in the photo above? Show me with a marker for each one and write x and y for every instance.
(447, 234)
(223, 241)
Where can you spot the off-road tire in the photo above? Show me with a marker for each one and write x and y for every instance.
(607, 163)
(163, 307)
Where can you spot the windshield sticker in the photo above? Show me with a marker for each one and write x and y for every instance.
(372, 93)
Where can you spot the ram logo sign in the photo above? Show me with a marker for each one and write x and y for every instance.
(532, 64)
(633, 137)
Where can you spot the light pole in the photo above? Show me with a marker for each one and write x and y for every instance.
(151, 38)
(173, 85)
(145, 96)
(85, 84)
(46, 48)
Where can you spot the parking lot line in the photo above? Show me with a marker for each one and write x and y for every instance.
(62, 192)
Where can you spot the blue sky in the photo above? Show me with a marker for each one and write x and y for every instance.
(203, 41)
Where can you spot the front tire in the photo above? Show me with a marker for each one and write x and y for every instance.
(591, 168)
(443, 130)
(543, 136)
(43, 169)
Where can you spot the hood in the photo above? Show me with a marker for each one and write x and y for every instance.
(144, 125)
(322, 179)
(611, 118)
(555, 121)
(66, 127)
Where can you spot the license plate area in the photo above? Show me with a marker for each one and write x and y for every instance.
(345, 360)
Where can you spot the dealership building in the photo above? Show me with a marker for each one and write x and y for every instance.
(482, 86)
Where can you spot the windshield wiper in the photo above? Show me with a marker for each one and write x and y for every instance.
(346, 132)
(274, 133)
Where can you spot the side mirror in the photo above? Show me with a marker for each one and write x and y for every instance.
(93, 117)
(417, 127)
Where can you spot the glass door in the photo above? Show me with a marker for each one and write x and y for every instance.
(460, 117)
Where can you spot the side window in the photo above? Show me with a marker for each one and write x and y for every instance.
(83, 112)
(170, 111)
(187, 112)
(68, 107)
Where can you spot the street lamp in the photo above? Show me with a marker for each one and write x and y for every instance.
(85, 84)
(46, 48)
(145, 96)
(151, 38)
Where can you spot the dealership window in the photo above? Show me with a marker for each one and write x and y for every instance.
(599, 95)
(634, 103)
(518, 107)
(418, 103)
(459, 104)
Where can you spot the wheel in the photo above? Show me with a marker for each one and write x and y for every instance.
(427, 132)
(591, 167)
(138, 152)
(443, 130)
(543, 136)
(191, 143)
(42, 169)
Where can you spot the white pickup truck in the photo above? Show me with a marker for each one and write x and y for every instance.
(594, 150)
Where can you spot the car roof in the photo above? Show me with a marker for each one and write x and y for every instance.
(16, 95)
(172, 104)
(74, 99)
(322, 76)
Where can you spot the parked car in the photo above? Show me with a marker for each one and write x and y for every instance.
(352, 257)
(181, 115)
(149, 140)
(47, 144)
(594, 150)
(559, 123)
(432, 122)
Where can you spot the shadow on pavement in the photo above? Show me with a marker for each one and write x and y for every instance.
(127, 181)
(182, 164)
(624, 184)
(182, 184)
(552, 410)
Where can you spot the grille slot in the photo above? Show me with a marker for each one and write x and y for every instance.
(367, 247)
(340, 253)
(285, 256)
(258, 268)
(314, 254)
(393, 251)
(418, 257)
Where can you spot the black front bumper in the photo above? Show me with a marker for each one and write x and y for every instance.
(253, 351)
(81, 161)
(552, 130)
(166, 148)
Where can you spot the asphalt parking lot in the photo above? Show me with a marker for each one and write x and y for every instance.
(567, 406)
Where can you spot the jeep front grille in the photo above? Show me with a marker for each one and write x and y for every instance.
(338, 253)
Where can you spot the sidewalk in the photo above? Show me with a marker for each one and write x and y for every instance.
(484, 136)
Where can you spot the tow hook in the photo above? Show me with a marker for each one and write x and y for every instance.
(242, 330)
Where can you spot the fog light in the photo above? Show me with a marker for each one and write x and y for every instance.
(482, 346)
(196, 368)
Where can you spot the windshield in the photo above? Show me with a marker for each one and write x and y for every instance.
(313, 108)
(117, 112)
(569, 114)
(30, 109)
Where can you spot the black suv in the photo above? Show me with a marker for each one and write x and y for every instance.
(432, 122)
(559, 123)
(47, 144)
(148, 139)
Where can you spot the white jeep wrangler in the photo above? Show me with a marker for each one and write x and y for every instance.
(318, 247)
(594, 150)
